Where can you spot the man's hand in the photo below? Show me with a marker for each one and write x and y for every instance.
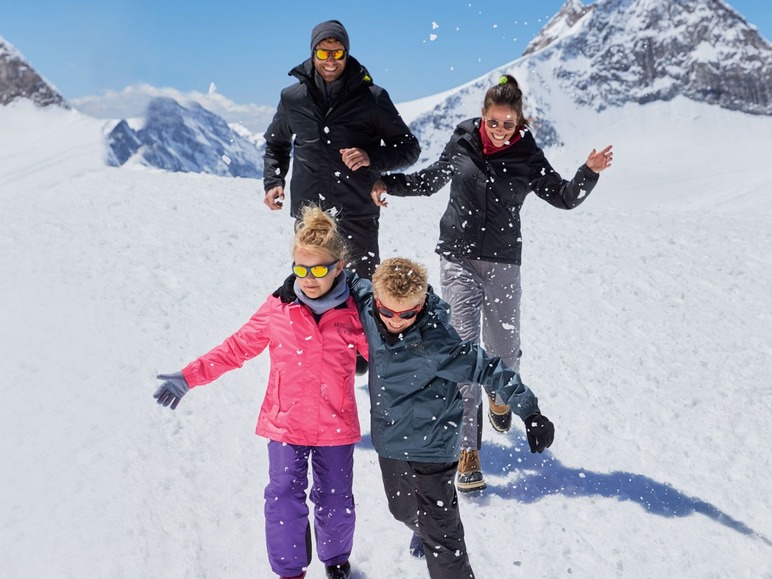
(274, 198)
(355, 158)
(378, 193)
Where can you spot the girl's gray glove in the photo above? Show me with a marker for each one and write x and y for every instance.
(172, 390)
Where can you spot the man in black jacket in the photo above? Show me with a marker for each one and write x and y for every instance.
(346, 133)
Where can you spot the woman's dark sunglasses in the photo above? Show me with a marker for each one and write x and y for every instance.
(493, 123)
(404, 314)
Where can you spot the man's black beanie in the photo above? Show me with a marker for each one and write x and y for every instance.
(329, 29)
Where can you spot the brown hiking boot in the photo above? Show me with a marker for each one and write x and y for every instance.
(500, 415)
(470, 477)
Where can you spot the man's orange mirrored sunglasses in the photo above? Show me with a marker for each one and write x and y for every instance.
(324, 54)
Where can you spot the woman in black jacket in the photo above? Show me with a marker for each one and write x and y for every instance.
(492, 163)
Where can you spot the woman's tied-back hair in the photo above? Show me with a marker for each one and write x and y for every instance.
(401, 279)
(317, 230)
(506, 93)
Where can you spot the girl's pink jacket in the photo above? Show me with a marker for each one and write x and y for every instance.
(310, 399)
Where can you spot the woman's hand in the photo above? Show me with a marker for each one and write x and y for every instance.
(378, 193)
(599, 161)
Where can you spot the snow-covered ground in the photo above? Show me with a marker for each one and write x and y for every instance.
(647, 323)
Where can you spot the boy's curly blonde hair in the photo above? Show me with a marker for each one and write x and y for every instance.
(401, 279)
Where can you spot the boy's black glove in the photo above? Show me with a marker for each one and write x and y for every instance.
(540, 432)
(286, 293)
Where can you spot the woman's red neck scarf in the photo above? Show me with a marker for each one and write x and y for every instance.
(489, 148)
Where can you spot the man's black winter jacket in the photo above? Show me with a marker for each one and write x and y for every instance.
(360, 114)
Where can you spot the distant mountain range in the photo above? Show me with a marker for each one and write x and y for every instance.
(169, 135)
(132, 101)
(608, 54)
(185, 139)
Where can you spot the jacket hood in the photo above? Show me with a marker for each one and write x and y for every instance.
(438, 311)
(469, 126)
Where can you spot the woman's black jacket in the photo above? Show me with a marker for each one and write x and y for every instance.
(482, 220)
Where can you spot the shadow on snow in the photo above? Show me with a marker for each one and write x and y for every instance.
(541, 475)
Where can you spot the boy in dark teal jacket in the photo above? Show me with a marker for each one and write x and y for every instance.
(417, 360)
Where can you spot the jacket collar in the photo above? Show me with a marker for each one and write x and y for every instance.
(487, 145)
(354, 75)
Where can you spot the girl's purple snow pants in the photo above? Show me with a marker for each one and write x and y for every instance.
(287, 532)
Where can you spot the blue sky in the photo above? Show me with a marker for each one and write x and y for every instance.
(246, 48)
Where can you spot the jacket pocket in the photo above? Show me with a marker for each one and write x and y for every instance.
(429, 432)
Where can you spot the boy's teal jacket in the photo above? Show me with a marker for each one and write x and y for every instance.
(415, 405)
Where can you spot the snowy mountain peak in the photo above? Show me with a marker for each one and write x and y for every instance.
(571, 12)
(132, 101)
(19, 80)
(614, 52)
(648, 50)
(185, 139)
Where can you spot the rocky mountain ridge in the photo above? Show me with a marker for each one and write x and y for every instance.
(615, 52)
(618, 51)
(19, 80)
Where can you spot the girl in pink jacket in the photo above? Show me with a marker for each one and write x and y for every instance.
(309, 409)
